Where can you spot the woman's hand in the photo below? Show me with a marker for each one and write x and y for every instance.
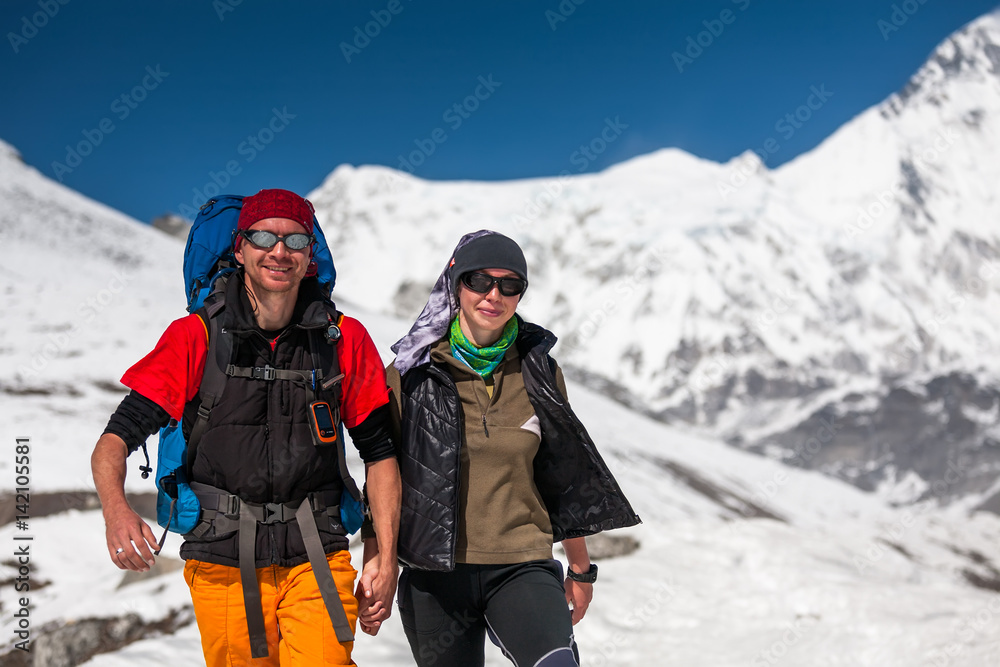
(376, 589)
(578, 596)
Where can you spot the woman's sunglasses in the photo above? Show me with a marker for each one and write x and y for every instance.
(482, 283)
(265, 239)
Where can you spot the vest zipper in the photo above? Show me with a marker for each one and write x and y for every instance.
(490, 398)
(479, 403)
(272, 353)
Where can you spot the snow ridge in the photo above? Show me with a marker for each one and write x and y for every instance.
(730, 297)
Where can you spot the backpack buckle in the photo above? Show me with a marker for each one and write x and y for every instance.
(272, 513)
(232, 508)
(265, 373)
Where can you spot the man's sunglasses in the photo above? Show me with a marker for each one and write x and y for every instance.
(482, 283)
(265, 239)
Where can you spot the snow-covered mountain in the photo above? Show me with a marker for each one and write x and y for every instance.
(838, 312)
(740, 560)
(782, 310)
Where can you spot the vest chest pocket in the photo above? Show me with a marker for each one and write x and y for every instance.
(285, 399)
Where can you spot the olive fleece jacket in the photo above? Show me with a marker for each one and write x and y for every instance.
(502, 518)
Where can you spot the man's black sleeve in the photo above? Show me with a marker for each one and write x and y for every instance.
(136, 419)
(372, 436)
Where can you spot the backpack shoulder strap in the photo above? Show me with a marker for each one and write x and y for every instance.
(333, 382)
(213, 381)
(332, 379)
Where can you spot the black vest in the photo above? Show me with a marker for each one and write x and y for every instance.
(580, 493)
(257, 443)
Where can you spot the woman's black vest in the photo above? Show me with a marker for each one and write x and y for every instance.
(580, 493)
(257, 443)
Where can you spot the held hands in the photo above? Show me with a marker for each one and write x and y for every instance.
(130, 539)
(376, 589)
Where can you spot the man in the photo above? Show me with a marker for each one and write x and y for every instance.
(257, 457)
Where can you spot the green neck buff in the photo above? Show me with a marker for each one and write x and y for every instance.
(483, 360)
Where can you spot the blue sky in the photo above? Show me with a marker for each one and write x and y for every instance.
(168, 99)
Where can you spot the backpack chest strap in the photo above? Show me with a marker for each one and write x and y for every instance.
(268, 373)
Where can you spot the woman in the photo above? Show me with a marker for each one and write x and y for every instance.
(495, 467)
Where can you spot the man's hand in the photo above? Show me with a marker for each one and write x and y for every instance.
(376, 588)
(130, 539)
(578, 596)
(380, 571)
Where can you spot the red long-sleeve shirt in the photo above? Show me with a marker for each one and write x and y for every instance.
(171, 374)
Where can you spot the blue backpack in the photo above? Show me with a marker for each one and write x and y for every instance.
(208, 262)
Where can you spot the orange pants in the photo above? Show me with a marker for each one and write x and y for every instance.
(299, 631)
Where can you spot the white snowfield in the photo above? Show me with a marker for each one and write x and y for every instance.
(741, 559)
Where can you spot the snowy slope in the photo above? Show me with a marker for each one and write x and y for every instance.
(858, 282)
(86, 292)
(838, 579)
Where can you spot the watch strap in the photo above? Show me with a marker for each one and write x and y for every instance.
(588, 577)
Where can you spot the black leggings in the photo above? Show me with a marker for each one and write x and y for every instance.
(522, 607)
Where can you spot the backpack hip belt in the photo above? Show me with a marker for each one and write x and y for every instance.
(224, 512)
(221, 510)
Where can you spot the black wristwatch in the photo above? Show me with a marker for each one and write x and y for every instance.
(588, 577)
